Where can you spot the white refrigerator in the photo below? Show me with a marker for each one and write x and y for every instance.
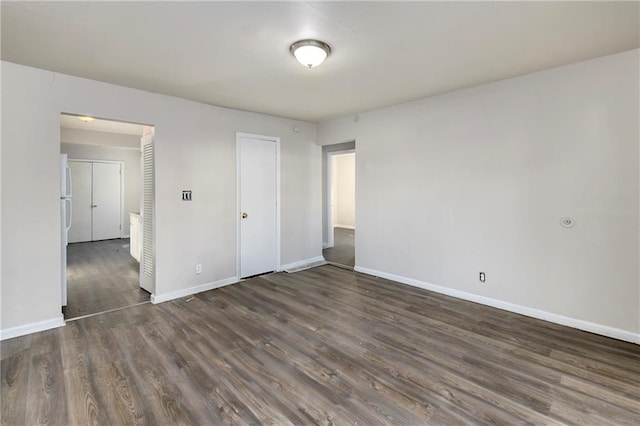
(65, 218)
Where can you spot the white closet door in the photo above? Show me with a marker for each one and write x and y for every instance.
(81, 202)
(258, 221)
(107, 216)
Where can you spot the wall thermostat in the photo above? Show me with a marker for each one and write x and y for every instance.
(567, 222)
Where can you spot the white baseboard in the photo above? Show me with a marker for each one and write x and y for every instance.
(591, 327)
(34, 327)
(303, 263)
(344, 226)
(165, 297)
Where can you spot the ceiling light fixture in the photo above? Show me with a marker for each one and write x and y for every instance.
(86, 119)
(310, 53)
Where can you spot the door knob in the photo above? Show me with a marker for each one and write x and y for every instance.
(93, 206)
(244, 215)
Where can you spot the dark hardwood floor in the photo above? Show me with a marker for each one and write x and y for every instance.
(322, 346)
(101, 276)
(343, 251)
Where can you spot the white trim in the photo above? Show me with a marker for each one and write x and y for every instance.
(275, 139)
(319, 260)
(122, 187)
(34, 327)
(591, 327)
(159, 298)
(344, 226)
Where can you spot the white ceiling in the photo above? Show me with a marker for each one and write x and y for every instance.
(236, 54)
(99, 125)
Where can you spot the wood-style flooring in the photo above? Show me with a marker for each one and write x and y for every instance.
(101, 276)
(343, 251)
(322, 346)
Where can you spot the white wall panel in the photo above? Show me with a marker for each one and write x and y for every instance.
(478, 179)
(195, 150)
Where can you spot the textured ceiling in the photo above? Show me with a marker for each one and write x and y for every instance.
(236, 54)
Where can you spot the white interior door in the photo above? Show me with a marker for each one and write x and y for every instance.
(81, 203)
(107, 195)
(258, 205)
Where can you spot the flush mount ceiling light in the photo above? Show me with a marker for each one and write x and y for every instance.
(310, 53)
(86, 119)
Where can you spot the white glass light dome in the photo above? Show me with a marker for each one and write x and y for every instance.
(310, 53)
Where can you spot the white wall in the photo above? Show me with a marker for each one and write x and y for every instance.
(480, 179)
(195, 149)
(131, 160)
(345, 187)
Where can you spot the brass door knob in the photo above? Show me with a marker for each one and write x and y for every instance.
(244, 215)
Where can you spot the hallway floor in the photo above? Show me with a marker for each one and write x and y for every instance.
(101, 276)
(343, 251)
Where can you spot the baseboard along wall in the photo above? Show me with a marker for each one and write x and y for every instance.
(591, 327)
(32, 328)
(302, 264)
(165, 297)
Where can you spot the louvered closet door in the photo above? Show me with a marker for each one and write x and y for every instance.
(147, 263)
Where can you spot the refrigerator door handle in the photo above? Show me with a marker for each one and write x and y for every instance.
(70, 215)
(70, 186)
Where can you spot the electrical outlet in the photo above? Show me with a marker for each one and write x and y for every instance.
(198, 269)
(482, 277)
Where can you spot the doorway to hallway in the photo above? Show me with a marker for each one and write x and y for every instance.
(340, 217)
(105, 196)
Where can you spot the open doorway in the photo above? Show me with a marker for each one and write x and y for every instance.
(102, 194)
(340, 214)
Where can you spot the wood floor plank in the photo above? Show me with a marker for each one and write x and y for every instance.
(46, 396)
(82, 404)
(322, 346)
(15, 381)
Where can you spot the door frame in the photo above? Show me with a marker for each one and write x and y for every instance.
(329, 183)
(121, 164)
(276, 139)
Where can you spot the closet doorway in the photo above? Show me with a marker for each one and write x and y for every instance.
(105, 168)
(97, 207)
